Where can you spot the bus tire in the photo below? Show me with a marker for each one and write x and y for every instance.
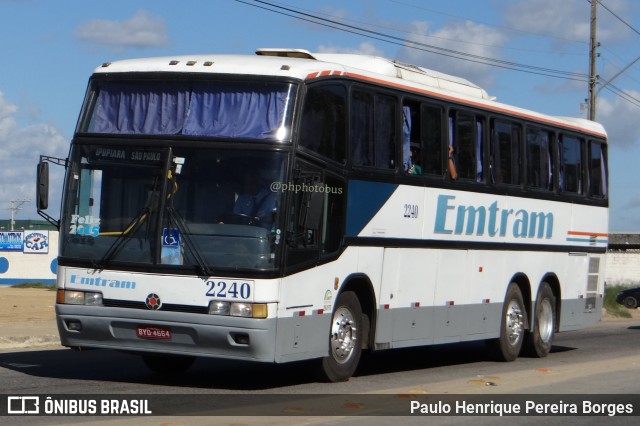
(507, 347)
(168, 364)
(345, 334)
(538, 342)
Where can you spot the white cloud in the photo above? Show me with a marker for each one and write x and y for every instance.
(20, 150)
(140, 31)
(364, 48)
(486, 41)
(565, 19)
(568, 20)
(620, 118)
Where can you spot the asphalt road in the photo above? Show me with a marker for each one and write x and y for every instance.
(601, 360)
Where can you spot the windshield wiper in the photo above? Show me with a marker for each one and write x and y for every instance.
(175, 217)
(124, 236)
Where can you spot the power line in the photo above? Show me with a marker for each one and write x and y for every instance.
(376, 35)
(607, 85)
(622, 94)
(415, 33)
(502, 27)
(618, 17)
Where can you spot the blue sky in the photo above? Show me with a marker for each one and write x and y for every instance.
(49, 50)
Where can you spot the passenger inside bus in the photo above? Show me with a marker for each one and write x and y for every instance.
(414, 160)
(453, 174)
(256, 204)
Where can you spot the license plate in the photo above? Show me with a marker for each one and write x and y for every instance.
(149, 332)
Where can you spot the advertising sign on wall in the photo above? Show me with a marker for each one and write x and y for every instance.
(36, 242)
(11, 241)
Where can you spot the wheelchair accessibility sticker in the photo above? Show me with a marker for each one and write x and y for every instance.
(171, 253)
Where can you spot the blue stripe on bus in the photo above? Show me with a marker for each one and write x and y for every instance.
(364, 200)
(587, 240)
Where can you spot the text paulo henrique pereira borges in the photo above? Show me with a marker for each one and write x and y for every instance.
(529, 408)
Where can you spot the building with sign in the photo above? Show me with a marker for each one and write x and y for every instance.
(28, 256)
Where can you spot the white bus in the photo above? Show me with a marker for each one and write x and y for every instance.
(295, 206)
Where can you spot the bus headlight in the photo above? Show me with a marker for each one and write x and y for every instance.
(238, 309)
(75, 297)
(218, 308)
(241, 310)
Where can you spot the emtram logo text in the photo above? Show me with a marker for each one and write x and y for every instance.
(459, 219)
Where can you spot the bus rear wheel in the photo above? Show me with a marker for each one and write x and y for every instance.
(345, 334)
(539, 341)
(507, 347)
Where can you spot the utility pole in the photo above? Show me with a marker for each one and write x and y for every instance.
(15, 206)
(593, 78)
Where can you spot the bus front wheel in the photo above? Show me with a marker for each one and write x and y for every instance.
(507, 347)
(344, 339)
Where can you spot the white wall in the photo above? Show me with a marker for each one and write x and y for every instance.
(623, 267)
(17, 267)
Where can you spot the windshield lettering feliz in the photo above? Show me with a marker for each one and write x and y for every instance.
(458, 219)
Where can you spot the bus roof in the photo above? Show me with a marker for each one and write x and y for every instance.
(303, 65)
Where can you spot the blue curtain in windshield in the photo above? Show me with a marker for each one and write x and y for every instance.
(152, 109)
(234, 111)
(202, 109)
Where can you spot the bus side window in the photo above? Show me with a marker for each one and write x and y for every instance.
(466, 141)
(411, 144)
(317, 216)
(597, 170)
(333, 215)
(505, 152)
(323, 124)
(373, 130)
(539, 159)
(431, 140)
(571, 173)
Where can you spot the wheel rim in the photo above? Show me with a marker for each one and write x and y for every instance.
(344, 335)
(545, 321)
(514, 323)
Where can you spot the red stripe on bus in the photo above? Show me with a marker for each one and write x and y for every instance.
(589, 234)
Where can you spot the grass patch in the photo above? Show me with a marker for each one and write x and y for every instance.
(36, 284)
(610, 304)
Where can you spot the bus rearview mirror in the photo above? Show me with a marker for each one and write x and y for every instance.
(42, 191)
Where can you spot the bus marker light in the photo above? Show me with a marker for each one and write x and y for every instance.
(260, 310)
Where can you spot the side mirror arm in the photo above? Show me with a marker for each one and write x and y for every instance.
(42, 188)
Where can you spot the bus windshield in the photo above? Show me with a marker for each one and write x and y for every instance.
(226, 109)
(208, 209)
